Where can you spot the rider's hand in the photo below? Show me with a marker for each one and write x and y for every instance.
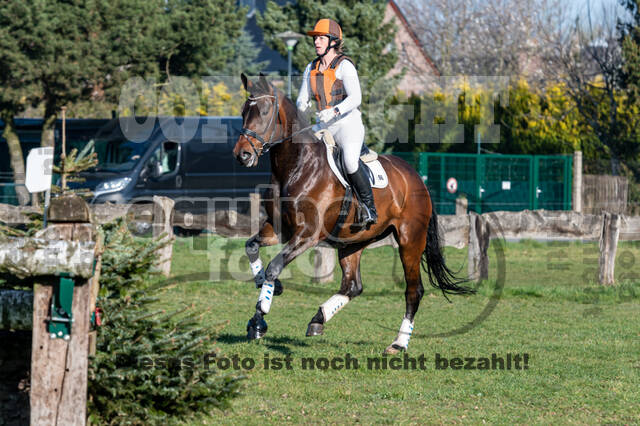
(326, 115)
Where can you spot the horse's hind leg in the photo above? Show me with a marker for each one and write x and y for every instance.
(350, 288)
(412, 245)
(265, 237)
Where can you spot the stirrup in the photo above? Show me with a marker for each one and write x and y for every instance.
(370, 219)
(366, 218)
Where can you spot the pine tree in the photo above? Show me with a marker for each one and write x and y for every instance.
(17, 81)
(242, 53)
(128, 41)
(195, 35)
(368, 41)
(87, 49)
(64, 57)
(139, 374)
(71, 165)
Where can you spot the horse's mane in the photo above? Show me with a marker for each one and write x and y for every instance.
(298, 119)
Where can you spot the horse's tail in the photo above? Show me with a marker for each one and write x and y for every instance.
(440, 276)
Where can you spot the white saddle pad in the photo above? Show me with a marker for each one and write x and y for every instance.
(378, 177)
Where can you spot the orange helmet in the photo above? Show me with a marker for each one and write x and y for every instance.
(326, 27)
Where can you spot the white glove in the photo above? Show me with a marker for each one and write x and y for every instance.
(326, 115)
(304, 106)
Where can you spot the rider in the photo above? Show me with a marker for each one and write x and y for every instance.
(333, 81)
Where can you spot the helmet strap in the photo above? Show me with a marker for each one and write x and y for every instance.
(329, 47)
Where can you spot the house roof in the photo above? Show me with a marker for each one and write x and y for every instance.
(405, 24)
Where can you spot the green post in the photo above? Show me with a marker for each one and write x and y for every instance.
(536, 183)
(479, 172)
(532, 160)
(568, 182)
(423, 166)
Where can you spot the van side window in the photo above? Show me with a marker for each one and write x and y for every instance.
(165, 158)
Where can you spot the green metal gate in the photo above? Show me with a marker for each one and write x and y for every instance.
(494, 182)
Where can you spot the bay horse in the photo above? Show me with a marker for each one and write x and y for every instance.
(310, 205)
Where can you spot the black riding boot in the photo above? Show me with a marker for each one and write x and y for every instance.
(360, 182)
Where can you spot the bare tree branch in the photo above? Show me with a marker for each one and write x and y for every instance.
(474, 37)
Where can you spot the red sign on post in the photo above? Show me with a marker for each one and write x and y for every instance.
(452, 185)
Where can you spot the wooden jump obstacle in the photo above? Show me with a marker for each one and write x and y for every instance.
(61, 263)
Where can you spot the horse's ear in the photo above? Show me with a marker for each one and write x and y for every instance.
(245, 82)
(264, 83)
(263, 80)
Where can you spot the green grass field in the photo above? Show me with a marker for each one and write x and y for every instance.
(582, 340)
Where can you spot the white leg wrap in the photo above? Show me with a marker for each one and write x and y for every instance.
(256, 266)
(404, 334)
(266, 296)
(258, 272)
(333, 305)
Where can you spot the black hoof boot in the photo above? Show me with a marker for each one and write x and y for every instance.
(256, 327)
(315, 329)
(277, 287)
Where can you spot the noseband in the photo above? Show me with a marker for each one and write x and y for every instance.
(266, 146)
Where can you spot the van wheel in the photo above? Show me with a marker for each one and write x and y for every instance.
(186, 232)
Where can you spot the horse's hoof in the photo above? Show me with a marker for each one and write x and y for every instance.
(315, 329)
(393, 349)
(256, 328)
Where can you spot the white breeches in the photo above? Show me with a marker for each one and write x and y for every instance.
(348, 133)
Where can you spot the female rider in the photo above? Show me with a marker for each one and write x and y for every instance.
(333, 81)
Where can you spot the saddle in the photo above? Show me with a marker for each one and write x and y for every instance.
(368, 159)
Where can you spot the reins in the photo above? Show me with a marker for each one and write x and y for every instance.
(266, 146)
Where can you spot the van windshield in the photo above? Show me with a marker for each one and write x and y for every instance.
(117, 155)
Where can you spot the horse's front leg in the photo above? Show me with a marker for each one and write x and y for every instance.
(257, 326)
(265, 237)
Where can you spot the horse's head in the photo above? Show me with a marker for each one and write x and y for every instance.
(259, 121)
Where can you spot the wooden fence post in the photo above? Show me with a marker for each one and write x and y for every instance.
(577, 182)
(324, 262)
(255, 213)
(162, 224)
(478, 258)
(462, 203)
(608, 247)
(58, 392)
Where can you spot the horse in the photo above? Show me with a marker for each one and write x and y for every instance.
(309, 210)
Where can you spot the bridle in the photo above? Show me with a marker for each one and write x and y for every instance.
(266, 146)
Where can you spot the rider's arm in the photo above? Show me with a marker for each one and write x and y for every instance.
(347, 73)
(303, 96)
